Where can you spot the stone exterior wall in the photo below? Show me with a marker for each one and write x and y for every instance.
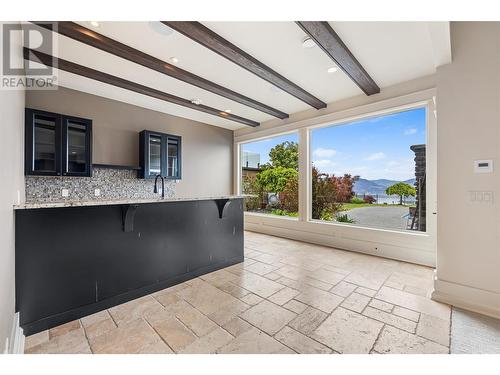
(420, 160)
(112, 183)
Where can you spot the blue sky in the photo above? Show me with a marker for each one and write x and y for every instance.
(374, 148)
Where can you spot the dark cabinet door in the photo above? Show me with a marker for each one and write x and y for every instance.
(151, 154)
(57, 145)
(173, 157)
(43, 143)
(76, 146)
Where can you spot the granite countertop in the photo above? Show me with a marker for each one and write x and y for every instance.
(103, 202)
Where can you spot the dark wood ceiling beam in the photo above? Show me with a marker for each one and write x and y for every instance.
(213, 41)
(329, 41)
(84, 35)
(84, 71)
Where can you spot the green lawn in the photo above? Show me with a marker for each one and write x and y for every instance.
(350, 206)
(344, 207)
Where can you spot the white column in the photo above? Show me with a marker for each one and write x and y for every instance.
(304, 173)
(236, 169)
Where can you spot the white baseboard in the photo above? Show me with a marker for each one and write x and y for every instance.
(15, 345)
(481, 301)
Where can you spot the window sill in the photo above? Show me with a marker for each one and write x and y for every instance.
(284, 217)
(363, 228)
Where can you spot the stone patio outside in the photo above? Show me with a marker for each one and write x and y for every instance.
(391, 217)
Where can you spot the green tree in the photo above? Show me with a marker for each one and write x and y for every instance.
(252, 187)
(275, 179)
(402, 190)
(284, 155)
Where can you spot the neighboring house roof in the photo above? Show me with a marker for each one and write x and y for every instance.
(251, 169)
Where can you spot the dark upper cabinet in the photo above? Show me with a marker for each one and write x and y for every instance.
(57, 145)
(159, 154)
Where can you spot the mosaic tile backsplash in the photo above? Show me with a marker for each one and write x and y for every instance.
(112, 183)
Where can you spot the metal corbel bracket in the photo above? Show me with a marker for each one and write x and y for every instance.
(221, 203)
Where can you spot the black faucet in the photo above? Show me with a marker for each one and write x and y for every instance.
(162, 185)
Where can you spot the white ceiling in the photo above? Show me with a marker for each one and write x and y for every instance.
(391, 52)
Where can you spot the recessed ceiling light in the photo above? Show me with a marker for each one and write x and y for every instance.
(332, 69)
(196, 101)
(308, 43)
(227, 110)
(94, 23)
(174, 60)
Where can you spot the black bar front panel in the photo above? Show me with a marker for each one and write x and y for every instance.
(74, 261)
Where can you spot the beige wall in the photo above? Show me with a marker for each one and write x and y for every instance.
(468, 105)
(206, 149)
(11, 187)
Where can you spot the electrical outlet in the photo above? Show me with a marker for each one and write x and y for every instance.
(65, 192)
(97, 192)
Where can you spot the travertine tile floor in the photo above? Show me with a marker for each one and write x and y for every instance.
(287, 297)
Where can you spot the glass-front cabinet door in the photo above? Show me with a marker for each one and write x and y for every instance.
(160, 155)
(173, 157)
(77, 143)
(44, 150)
(154, 155)
(57, 145)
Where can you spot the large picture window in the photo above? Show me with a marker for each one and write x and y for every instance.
(269, 172)
(371, 172)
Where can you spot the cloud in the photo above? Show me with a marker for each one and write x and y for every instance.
(376, 156)
(410, 131)
(325, 165)
(399, 169)
(324, 152)
(356, 171)
(379, 118)
(395, 169)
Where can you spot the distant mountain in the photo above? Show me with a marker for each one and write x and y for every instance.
(364, 186)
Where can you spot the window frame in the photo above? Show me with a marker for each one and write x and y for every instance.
(238, 174)
(419, 99)
(346, 122)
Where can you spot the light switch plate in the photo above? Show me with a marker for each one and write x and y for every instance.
(485, 197)
(97, 192)
(65, 192)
